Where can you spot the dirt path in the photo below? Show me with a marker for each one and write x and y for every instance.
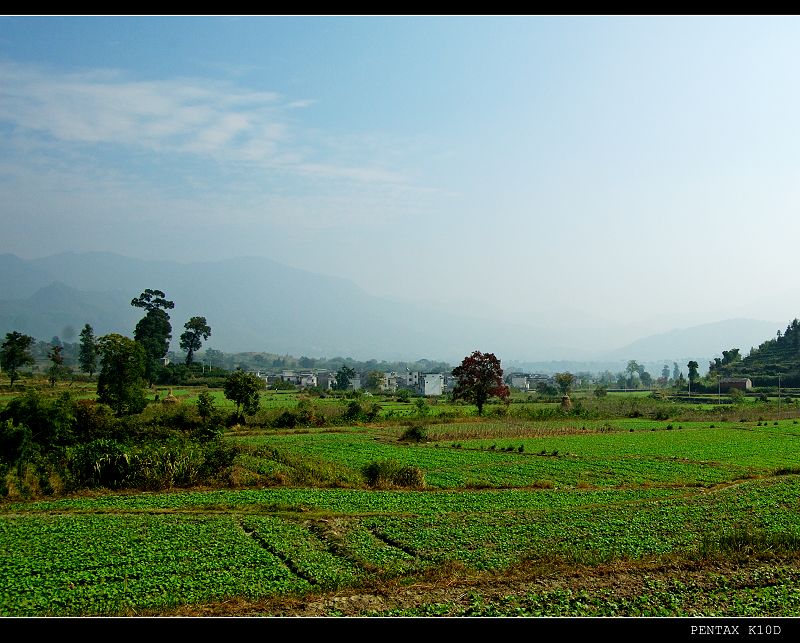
(458, 588)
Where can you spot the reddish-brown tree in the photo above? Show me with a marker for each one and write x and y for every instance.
(479, 378)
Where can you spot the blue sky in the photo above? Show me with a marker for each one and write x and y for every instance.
(639, 172)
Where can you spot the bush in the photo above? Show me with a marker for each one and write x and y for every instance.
(417, 433)
(390, 473)
(218, 459)
(353, 412)
(51, 421)
(101, 463)
(15, 442)
(93, 420)
(286, 420)
(205, 405)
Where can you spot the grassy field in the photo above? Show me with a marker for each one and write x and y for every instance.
(564, 516)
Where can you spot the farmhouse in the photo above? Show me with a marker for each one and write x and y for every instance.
(520, 381)
(432, 384)
(742, 383)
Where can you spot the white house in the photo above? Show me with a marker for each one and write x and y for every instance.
(431, 384)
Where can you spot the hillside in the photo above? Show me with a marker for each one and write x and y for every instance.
(779, 356)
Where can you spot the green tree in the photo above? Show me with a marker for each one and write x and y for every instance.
(243, 390)
(215, 357)
(56, 356)
(15, 352)
(191, 340)
(694, 375)
(153, 331)
(564, 381)
(479, 377)
(343, 378)
(374, 380)
(88, 351)
(632, 369)
(546, 390)
(120, 383)
(205, 405)
(665, 373)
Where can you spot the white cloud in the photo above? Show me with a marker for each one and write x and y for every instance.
(299, 104)
(213, 120)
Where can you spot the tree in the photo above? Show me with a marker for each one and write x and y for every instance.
(343, 378)
(88, 351)
(676, 372)
(120, 383)
(242, 389)
(215, 358)
(479, 377)
(57, 358)
(205, 405)
(546, 390)
(153, 331)
(694, 375)
(632, 369)
(196, 330)
(15, 352)
(564, 381)
(374, 380)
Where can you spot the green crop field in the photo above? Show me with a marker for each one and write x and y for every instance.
(146, 553)
(526, 512)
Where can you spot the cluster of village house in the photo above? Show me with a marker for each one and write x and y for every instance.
(421, 383)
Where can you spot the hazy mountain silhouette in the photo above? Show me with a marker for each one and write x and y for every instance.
(256, 304)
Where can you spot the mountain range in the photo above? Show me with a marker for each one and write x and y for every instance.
(256, 304)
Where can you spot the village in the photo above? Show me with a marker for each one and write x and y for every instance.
(427, 384)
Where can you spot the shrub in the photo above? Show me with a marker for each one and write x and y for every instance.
(93, 420)
(218, 460)
(205, 405)
(286, 420)
(390, 473)
(417, 433)
(371, 412)
(51, 421)
(353, 412)
(101, 463)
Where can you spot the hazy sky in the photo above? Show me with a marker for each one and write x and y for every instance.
(635, 170)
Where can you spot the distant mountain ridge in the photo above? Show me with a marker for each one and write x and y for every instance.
(694, 342)
(251, 304)
(256, 304)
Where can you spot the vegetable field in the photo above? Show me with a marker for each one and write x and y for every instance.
(509, 516)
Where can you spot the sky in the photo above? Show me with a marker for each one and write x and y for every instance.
(641, 173)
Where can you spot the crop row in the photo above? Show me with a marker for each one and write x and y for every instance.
(140, 553)
(698, 456)
(65, 565)
(340, 501)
